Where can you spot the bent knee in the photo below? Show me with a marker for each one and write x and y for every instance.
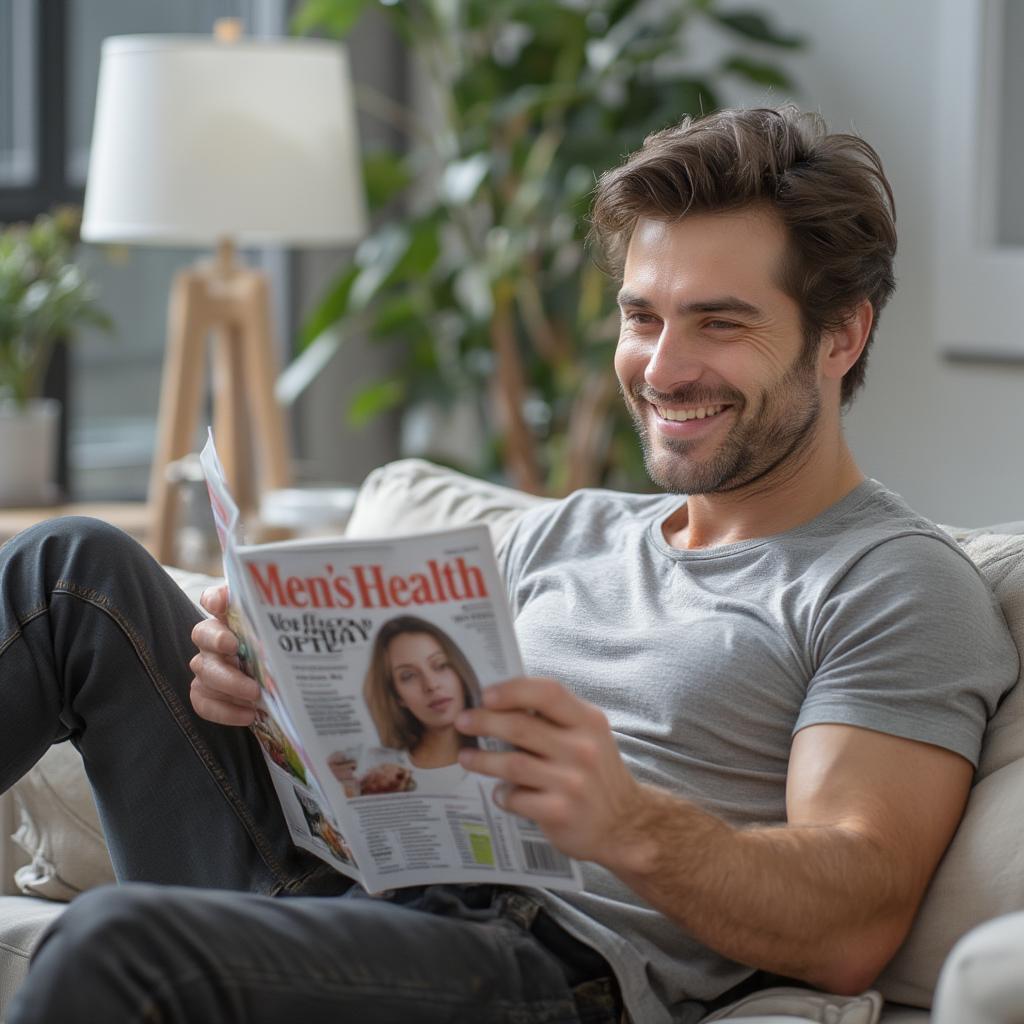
(120, 912)
(73, 530)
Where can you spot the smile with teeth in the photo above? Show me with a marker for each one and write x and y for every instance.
(682, 415)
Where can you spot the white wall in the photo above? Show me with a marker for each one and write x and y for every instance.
(948, 437)
(330, 449)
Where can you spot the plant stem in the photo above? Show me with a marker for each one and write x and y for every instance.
(520, 449)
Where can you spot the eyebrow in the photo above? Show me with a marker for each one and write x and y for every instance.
(722, 304)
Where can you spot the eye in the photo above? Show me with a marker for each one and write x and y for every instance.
(638, 318)
(722, 325)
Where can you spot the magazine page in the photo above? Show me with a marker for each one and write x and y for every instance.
(306, 808)
(385, 642)
(366, 651)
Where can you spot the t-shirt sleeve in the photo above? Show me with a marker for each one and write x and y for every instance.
(911, 642)
(515, 546)
(507, 551)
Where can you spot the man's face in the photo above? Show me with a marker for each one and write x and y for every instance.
(711, 357)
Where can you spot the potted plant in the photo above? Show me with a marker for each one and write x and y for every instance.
(476, 274)
(43, 297)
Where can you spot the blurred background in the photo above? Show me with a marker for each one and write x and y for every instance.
(468, 325)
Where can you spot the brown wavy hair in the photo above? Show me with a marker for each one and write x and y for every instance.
(828, 189)
(397, 726)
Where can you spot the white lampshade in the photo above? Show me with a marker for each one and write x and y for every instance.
(197, 140)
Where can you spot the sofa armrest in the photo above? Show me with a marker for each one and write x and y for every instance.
(8, 851)
(982, 980)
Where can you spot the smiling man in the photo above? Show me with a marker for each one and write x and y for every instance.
(755, 712)
(754, 706)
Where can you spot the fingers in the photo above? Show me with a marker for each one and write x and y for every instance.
(515, 767)
(520, 729)
(546, 697)
(214, 708)
(218, 675)
(215, 599)
(221, 692)
(212, 636)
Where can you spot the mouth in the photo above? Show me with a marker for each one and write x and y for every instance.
(698, 412)
(691, 420)
(441, 704)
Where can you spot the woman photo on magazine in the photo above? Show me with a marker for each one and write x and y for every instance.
(417, 683)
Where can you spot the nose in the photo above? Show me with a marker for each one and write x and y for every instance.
(673, 361)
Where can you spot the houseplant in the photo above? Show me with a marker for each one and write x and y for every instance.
(43, 297)
(477, 272)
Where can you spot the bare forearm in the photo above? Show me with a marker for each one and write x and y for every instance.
(792, 900)
(827, 898)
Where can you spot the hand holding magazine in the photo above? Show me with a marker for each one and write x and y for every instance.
(365, 652)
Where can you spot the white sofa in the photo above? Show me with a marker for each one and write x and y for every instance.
(981, 878)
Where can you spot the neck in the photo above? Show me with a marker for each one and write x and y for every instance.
(793, 494)
(436, 749)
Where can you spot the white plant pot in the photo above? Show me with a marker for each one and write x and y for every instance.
(28, 452)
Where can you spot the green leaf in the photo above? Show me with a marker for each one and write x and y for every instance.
(385, 175)
(396, 314)
(332, 17)
(423, 250)
(333, 306)
(758, 72)
(755, 25)
(376, 258)
(376, 399)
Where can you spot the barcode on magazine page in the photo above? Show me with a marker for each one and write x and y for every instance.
(542, 858)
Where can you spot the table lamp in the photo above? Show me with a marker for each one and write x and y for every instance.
(222, 141)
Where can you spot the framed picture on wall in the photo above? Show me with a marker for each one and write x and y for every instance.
(980, 180)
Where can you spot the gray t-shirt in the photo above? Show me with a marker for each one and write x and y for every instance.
(707, 662)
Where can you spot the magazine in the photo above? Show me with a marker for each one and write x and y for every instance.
(365, 651)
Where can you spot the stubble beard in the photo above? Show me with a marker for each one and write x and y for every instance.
(782, 428)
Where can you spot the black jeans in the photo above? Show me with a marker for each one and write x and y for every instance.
(219, 917)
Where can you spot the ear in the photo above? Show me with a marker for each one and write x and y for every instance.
(841, 348)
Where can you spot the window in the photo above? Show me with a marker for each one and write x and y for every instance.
(49, 64)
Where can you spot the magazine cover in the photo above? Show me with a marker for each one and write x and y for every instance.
(365, 652)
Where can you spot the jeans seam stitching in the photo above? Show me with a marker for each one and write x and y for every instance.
(23, 621)
(177, 712)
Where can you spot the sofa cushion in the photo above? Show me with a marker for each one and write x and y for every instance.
(22, 923)
(413, 495)
(981, 875)
(1000, 557)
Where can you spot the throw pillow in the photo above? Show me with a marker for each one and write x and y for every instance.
(59, 829)
(982, 873)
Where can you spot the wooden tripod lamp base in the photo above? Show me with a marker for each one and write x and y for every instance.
(230, 305)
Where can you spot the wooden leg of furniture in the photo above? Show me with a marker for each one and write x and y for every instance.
(233, 306)
(180, 396)
(230, 420)
(269, 427)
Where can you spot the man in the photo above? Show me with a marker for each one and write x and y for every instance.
(753, 714)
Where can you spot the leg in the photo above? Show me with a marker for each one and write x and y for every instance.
(94, 645)
(144, 953)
